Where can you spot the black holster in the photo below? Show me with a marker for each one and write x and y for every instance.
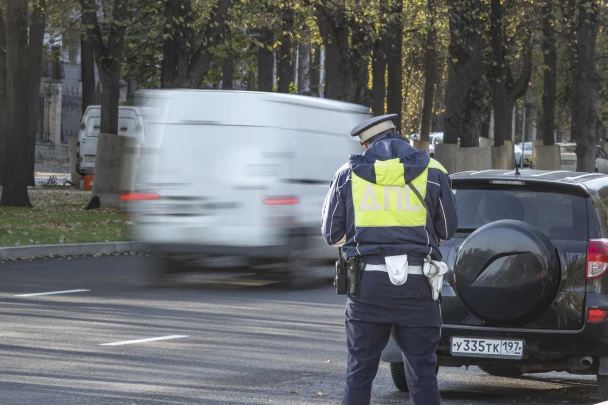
(341, 279)
(353, 269)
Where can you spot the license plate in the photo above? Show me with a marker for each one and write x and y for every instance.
(497, 348)
(89, 158)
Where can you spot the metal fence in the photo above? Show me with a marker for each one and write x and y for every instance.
(69, 114)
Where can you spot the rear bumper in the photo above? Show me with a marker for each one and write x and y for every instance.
(540, 345)
(84, 170)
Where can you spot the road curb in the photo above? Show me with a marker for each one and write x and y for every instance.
(76, 249)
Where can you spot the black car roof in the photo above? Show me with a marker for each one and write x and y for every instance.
(591, 181)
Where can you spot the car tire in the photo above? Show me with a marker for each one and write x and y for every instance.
(502, 370)
(602, 384)
(398, 375)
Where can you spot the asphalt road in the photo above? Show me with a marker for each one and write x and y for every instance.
(245, 343)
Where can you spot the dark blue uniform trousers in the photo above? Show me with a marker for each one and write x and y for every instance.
(369, 320)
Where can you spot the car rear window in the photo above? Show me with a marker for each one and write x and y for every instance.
(559, 216)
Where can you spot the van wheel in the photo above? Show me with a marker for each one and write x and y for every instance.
(502, 370)
(298, 269)
(160, 272)
(299, 264)
(398, 375)
(602, 384)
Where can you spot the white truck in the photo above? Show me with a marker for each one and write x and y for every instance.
(241, 174)
(130, 125)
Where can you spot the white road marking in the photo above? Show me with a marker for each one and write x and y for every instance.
(129, 342)
(51, 293)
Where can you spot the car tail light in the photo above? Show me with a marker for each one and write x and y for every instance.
(281, 201)
(597, 258)
(139, 196)
(596, 315)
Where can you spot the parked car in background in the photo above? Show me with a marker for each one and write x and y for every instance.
(435, 138)
(568, 158)
(527, 286)
(130, 125)
(517, 152)
(527, 154)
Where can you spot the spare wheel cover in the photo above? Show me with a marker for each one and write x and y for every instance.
(507, 273)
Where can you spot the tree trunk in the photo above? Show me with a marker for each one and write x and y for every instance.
(550, 75)
(285, 55)
(499, 81)
(228, 71)
(569, 11)
(378, 78)
(361, 48)
(109, 144)
(3, 103)
(315, 71)
(16, 176)
(430, 73)
(304, 68)
(108, 56)
(394, 96)
(87, 68)
(466, 87)
(265, 61)
(34, 60)
(585, 103)
(332, 60)
(185, 63)
(333, 25)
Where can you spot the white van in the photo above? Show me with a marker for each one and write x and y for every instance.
(237, 173)
(130, 124)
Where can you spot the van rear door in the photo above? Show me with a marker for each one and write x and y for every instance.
(221, 184)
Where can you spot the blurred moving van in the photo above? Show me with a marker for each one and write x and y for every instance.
(240, 174)
(130, 125)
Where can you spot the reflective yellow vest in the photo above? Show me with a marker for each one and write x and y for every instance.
(389, 201)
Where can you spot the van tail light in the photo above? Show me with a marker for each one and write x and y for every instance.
(597, 258)
(281, 201)
(597, 315)
(139, 196)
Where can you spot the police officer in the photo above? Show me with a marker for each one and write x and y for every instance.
(388, 209)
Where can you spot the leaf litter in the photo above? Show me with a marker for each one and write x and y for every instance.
(59, 216)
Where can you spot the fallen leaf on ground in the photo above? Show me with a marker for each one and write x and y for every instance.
(293, 391)
(321, 394)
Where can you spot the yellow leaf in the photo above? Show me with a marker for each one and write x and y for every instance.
(293, 391)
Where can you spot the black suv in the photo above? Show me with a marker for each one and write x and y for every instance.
(527, 288)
